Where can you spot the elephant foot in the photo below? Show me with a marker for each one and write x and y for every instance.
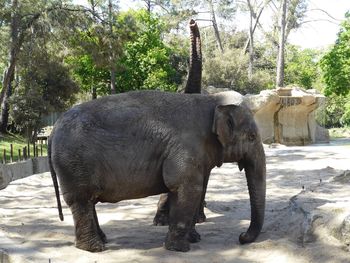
(193, 236)
(245, 238)
(161, 219)
(94, 245)
(103, 237)
(174, 242)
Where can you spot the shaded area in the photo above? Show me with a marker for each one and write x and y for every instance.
(305, 209)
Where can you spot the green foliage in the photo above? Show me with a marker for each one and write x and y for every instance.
(141, 58)
(45, 86)
(345, 118)
(336, 113)
(229, 70)
(336, 63)
(89, 75)
(146, 62)
(301, 67)
(18, 143)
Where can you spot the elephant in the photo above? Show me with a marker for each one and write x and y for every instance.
(143, 143)
(193, 85)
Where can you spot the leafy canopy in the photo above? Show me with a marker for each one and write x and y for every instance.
(146, 61)
(336, 63)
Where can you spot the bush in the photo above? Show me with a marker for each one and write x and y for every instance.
(336, 113)
(229, 70)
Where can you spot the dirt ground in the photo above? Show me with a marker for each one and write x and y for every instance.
(307, 217)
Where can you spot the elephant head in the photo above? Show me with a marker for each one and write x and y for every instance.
(239, 136)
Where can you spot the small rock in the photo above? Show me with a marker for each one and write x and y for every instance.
(345, 230)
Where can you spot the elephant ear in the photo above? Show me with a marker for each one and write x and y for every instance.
(223, 124)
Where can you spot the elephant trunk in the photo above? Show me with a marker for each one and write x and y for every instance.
(255, 170)
(194, 79)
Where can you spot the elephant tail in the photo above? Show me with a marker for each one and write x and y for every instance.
(55, 183)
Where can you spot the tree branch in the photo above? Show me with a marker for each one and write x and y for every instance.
(318, 20)
(323, 11)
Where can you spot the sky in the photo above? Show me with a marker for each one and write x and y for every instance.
(320, 33)
(315, 34)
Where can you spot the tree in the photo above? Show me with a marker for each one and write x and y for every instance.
(91, 77)
(45, 86)
(20, 17)
(288, 15)
(255, 11)
(146, 62)
(302, 67)
(336, 63)
(281, 44)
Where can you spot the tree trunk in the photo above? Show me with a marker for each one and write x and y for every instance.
(194, 79)
(113, 88)
(112, 54)
(5, 107)
(282, 40)
(251, 41)
(9, 73)
(246, 45)
(148, 6)
(215, 26)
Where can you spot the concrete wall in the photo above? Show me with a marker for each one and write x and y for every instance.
(13, 171)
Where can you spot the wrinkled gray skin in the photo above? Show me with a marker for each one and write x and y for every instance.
(193, 85)
(138, 144)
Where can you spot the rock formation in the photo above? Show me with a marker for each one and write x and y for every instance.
(287, 115)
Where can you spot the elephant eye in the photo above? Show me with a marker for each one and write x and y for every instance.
(230, 123)
(251, 136)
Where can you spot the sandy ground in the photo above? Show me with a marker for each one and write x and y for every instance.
(304, 221)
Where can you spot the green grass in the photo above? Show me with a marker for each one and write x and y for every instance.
(18, 143)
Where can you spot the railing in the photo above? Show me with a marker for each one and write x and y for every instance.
(35, 149)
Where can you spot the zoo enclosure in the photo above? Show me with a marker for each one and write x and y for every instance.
(35, 149)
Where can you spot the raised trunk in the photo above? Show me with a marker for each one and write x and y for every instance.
(194, 79)
(255, 170)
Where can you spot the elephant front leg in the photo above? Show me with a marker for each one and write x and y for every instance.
(162, 215)
(183, 206)
(87, 234)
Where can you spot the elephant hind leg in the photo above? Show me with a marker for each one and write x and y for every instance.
(99, 230)
(87, 235)
(162, 216)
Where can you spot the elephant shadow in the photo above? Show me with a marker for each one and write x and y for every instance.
(140, 233)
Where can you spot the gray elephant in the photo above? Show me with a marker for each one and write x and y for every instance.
(193, 85)
(144, 143)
